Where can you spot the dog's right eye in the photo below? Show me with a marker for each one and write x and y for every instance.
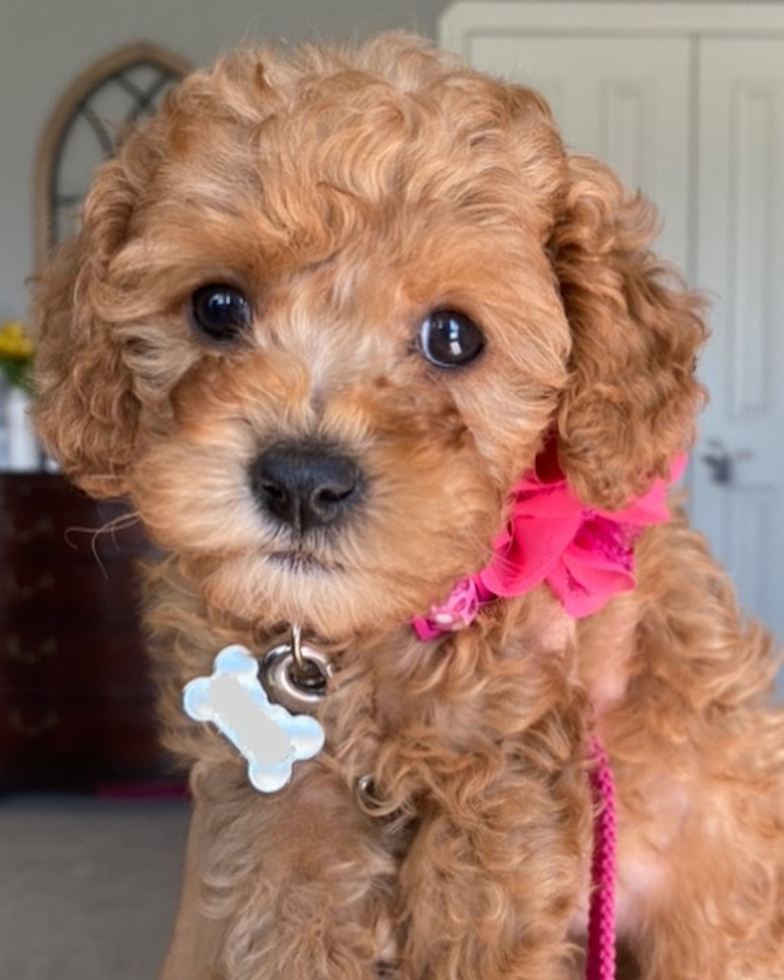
(450, 339)
(220, 312)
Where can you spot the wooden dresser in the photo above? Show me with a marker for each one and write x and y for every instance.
(76, 702)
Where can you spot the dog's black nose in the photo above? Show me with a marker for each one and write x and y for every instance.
(305, 485)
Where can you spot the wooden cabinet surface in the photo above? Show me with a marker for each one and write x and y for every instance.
(76, 699)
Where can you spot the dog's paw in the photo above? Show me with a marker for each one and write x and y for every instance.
(269, 737)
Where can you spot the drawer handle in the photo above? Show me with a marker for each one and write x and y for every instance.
(18, 591)
(32, 729)
(24, 654)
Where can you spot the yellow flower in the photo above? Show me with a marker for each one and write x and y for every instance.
(15, 342)
(16, 354)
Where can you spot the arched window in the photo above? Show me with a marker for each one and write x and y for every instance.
(86, 127)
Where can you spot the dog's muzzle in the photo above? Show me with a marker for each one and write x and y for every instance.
(305, 485)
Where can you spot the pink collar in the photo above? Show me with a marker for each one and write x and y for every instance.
(584, 554)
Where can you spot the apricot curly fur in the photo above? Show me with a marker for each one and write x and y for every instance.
(348, 193)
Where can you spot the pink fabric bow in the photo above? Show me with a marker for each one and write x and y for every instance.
(585, 555)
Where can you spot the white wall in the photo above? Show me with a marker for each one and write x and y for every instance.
(45, 44)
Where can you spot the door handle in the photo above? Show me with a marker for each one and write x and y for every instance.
(721, 462)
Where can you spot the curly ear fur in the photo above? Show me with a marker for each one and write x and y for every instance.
(632, 397)
(86, 412)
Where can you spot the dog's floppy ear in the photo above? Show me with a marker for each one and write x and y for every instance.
(86, 412)
(632, 396)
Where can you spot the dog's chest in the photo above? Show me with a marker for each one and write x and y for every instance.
(647, 843)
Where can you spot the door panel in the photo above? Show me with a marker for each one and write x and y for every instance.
(623, 100)
(740, 261)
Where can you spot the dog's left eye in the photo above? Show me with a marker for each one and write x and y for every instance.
(449, 339)
(220, 312)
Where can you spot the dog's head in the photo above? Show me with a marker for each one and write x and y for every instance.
(325, 309)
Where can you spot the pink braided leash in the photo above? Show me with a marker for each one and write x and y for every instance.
(601, 915)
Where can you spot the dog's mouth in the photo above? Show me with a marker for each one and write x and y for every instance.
(302, 563)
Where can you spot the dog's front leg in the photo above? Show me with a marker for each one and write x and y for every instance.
(292, 886)
(196, 940)
(492, 889)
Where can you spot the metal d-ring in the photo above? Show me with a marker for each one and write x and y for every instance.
(295, 674)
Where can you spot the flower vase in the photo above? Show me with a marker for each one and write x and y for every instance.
(23, 450)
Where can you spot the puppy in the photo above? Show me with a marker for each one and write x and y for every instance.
(377, 361)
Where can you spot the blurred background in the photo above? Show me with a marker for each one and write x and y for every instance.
(45, 45)
(685, 100)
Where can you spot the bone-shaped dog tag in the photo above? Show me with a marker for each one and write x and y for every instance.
(267, 735)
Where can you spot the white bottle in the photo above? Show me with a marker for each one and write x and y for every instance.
(22, 446)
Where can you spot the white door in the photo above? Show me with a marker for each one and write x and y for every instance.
(739, 493)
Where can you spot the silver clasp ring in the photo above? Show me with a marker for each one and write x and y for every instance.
(295, 675)
(296, 649)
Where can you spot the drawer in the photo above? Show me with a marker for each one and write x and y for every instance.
(86, 538)
(59, 585)
(43, 511)
(76, 700)
(69, 656)
(54, 744)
